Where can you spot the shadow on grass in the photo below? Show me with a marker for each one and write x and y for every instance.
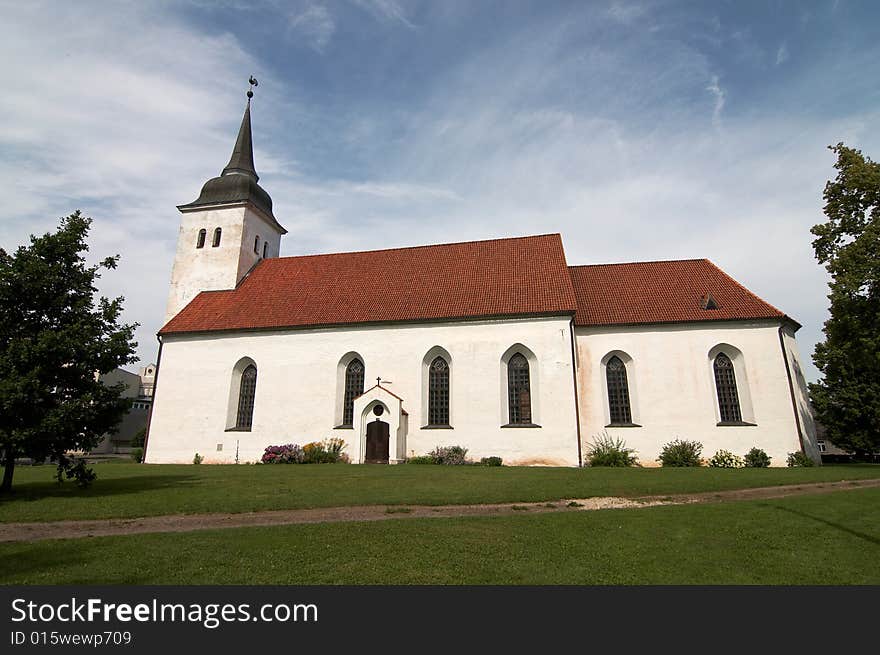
(32, 491)
(842, 528)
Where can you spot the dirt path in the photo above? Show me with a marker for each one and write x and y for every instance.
(191, 522)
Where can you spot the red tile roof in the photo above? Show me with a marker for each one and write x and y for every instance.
(500, 277)
(661, 292)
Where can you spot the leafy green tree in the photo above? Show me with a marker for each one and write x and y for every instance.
(54, 341)
(847, 399)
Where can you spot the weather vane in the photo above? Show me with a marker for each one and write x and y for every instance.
(253, 82)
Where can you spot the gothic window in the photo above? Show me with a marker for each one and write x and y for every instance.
(257, 244)
(725, 383)
(200, 242)
(618, 392)
(247, 392)
(518, 390)
(265, 248)
(216, 241)
(438, 392)
(354, 387)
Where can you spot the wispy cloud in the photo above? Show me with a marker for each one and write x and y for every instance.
(387, 10)
(315, 24)
(719, 95)
(782, 54)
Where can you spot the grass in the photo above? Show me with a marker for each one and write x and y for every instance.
(129, 490)
(819, 539)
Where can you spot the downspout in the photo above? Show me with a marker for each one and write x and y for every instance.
(153, 403)
(797, 418)
(577, 414)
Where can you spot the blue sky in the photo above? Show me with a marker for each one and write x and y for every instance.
(638, 130)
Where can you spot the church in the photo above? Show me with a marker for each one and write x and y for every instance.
(498, 346)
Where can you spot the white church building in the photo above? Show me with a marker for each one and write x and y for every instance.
(498, 346)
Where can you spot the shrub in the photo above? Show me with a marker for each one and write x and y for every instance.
(799, 459)
(328, 451)
(724, 459)
(421, 459)
(609, 451)
(197, 459)
(137, 441)
(756, 459)
(681, 453)
(449, 455)
(137, 454)
(491, 461)
(287, 454)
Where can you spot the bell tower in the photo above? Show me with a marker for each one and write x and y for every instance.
(227, 230)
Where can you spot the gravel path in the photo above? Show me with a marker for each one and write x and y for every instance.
(191, 522)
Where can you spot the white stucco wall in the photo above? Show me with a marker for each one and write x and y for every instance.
(209, 268)
(297, 389)
(671, 373)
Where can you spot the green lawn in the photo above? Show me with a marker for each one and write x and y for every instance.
(814, 539)
(130, 490)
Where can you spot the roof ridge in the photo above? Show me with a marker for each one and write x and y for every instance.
(419, 247)
(649, 261)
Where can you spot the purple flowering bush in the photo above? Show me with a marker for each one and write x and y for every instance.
(287, 454)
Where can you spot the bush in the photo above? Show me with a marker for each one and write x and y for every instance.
(421, 459)
(681, 453)
(609, 451)
(756, 459)
(799, 459)
(449, 455)
(724, 459)
(491, 461)
(287, 454)
(137, 441)
(197, 459)
(137, 454)
(328, 451)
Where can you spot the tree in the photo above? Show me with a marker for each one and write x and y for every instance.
(847, 400)
(54, 341)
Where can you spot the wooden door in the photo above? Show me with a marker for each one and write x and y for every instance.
(377, 442)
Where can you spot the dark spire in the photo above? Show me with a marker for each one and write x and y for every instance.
(238, 181)
(242, 160)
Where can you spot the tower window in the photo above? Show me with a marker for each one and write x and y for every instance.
(265, 248)
(216, 241)
(200, 241)
(257, 244)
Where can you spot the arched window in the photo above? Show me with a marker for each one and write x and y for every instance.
(618, 392)
(518, 390)
(725, 383)
(257, 244)
(354, 387)
(200, 241)
(438, 392)
(265, 248)
(246, 394)
(216, 241)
